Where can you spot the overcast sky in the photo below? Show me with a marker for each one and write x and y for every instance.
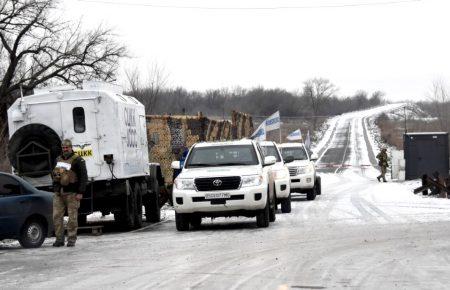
(397, 48)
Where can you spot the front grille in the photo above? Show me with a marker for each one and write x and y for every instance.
(292, 171)
(218, 183)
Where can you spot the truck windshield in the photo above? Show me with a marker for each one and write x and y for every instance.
(299, 153)
(271, 151)
(229, 155)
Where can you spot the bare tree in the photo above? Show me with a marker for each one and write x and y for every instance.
(317, 91)
(38, 49)
(439, 96)
(149, 90)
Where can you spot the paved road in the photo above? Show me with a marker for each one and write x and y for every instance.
(358, 234)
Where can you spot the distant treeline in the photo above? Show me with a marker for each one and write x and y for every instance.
(317, 98)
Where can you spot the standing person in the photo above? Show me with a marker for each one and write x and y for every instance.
(383, 162)
(69, 185)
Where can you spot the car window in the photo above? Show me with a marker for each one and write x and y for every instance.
(299, 153)
(222, 156)
(271, 151)
(9, 186)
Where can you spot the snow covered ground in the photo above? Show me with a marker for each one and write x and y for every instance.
(358, 234)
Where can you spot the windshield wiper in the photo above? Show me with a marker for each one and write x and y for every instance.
(230, 164)
(200, 165)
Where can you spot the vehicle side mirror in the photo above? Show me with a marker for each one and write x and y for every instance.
(269, 160)
(314, 157)
(288, 159)
(176, 165)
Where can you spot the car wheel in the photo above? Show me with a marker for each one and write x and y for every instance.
(196, 221)
(318, 185)
(262, 218)
(311, 194)
(152, 208)
(272, 209)
(138, 210)
(33, 234)
(286, 205)
(182, 221)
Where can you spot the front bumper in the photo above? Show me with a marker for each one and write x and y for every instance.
(192, 201)
(282, 188)
(302, 181)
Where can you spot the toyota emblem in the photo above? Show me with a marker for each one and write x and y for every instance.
(217, 182)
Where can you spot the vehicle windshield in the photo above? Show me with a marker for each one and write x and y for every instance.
(271, 151)
(228, 155)
(299, 153)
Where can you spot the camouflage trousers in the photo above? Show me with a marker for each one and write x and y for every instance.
(60, 203)
(383, 172)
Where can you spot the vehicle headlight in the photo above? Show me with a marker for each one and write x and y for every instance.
(184, 183)
(251, 180)
(280, 174)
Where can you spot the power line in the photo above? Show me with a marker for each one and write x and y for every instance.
(349, 5)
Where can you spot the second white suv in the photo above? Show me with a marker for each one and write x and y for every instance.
(223, 179)
(280, 176)
(302, 170)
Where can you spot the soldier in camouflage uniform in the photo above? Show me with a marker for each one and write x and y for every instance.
(383, 162)
(69, 184)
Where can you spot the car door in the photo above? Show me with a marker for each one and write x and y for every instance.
(14, 206)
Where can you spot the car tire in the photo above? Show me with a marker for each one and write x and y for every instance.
(196, 221)
(152, 208)
(318, 185)
(272, 209)
(32, 234)
(311, 194)
(182, 221)
(262, 218)
(138, 206)
(286, 205)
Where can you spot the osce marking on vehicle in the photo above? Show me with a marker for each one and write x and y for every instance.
(130, 123)
(84, 150)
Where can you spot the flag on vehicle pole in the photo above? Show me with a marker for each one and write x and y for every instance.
(308, 140)
(273, 122)
(260, 133)
(296, 135)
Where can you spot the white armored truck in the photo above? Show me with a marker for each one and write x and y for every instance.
(108, 129)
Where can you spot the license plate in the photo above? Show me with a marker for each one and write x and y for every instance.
(217, 195)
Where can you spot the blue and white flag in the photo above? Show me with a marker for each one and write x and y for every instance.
(296, 135)
(260, 133)
(273, 122)
(308, 141)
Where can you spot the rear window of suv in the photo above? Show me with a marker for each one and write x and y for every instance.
(232, 155)
(299, 153)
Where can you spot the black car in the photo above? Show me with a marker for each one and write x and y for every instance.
(25, 212)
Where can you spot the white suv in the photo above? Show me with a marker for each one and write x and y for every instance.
(223, 179)
(301, 169)
(279, 174)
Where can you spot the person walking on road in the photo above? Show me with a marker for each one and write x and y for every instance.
(383, 162)
(69, 185)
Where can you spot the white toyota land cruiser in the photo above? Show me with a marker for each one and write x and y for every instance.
(279, 174)
(223, 179)
(302, 170)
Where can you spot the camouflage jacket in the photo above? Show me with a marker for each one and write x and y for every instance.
(382, 159)
(79, 168)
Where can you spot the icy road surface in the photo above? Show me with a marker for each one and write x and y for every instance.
(358, 234)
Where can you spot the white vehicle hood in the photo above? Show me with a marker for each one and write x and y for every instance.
(220, 171)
